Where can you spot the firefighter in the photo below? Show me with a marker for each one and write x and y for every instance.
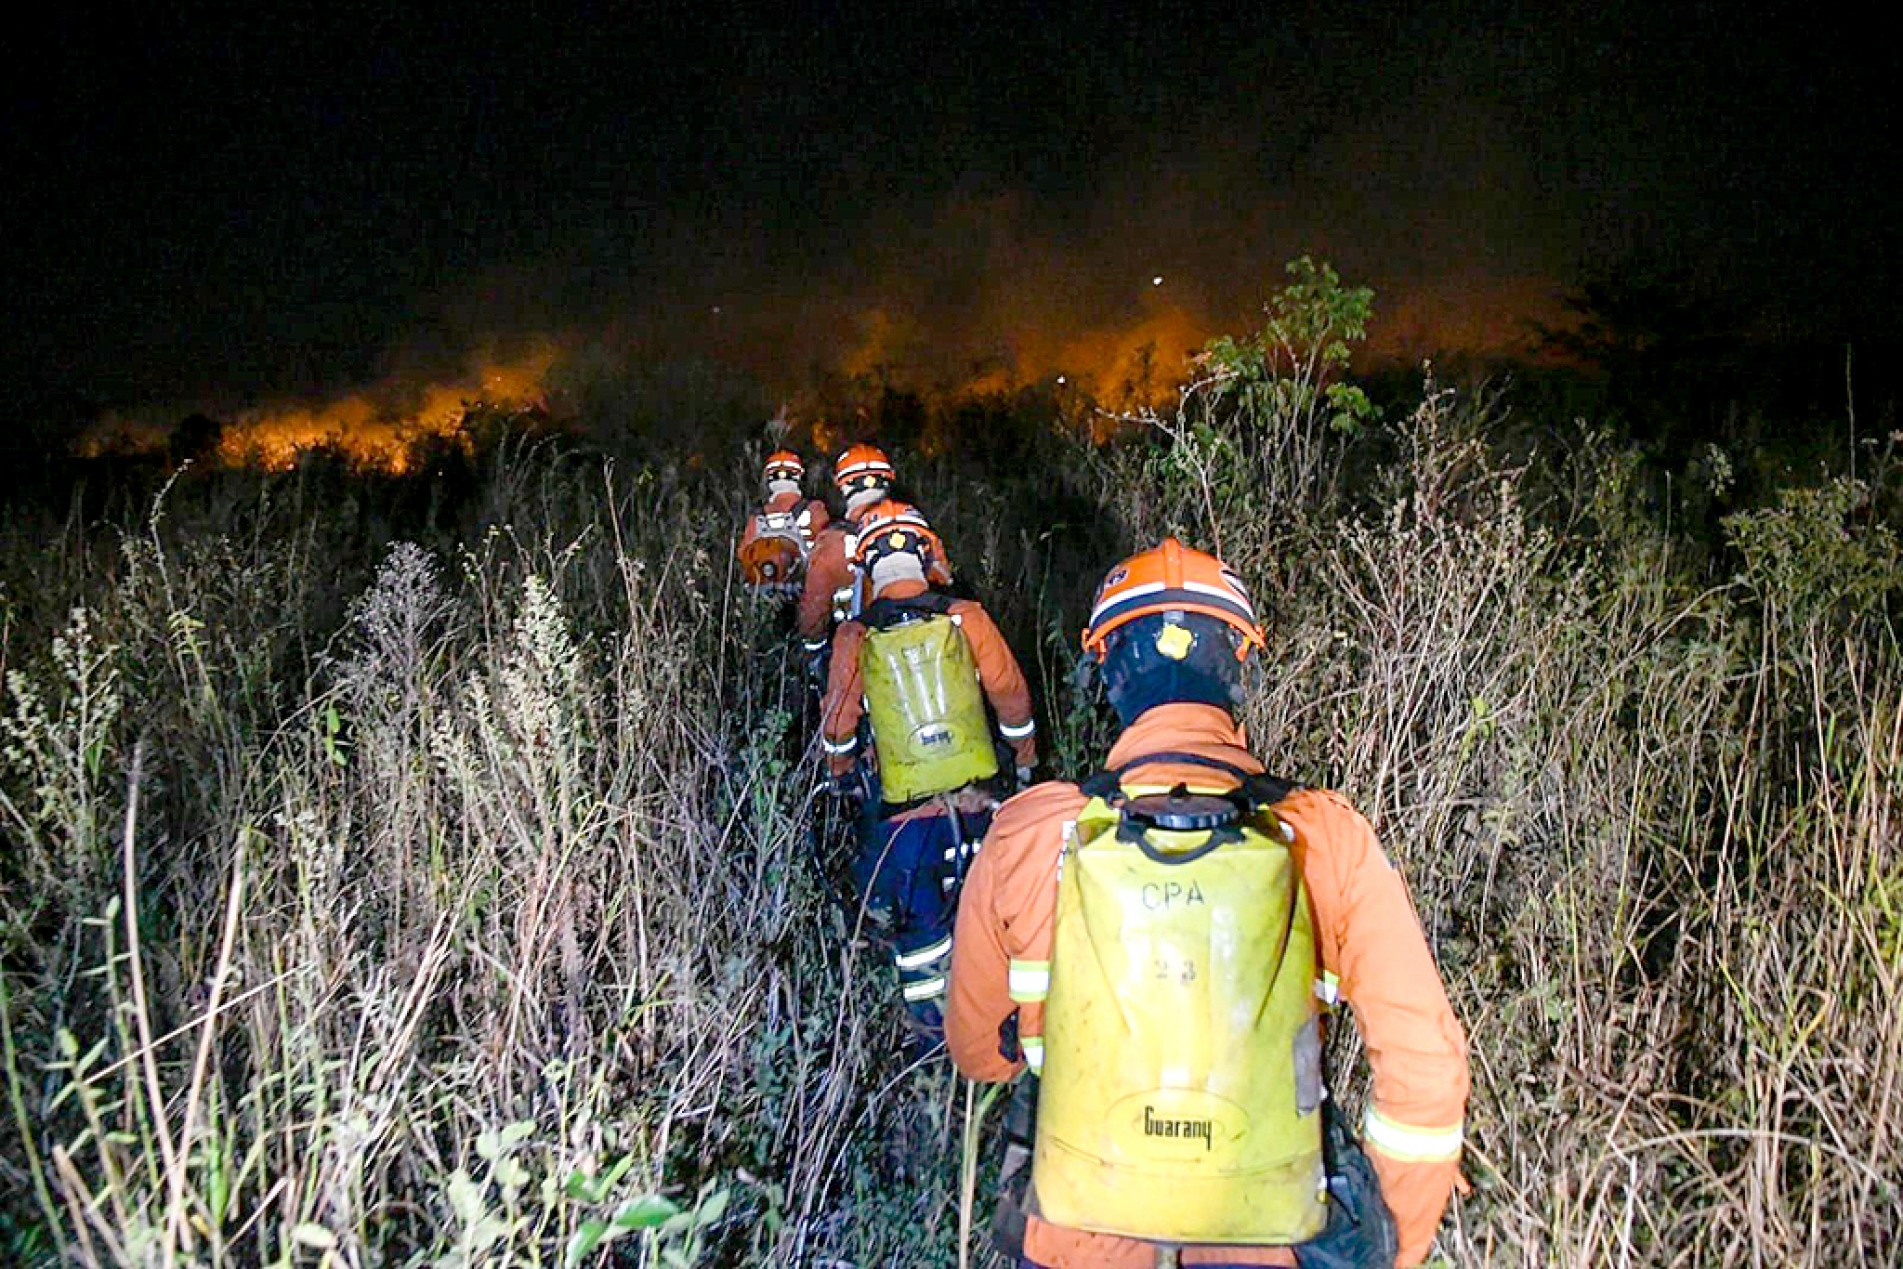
(1161, 945)
(863, 476)
(778, 538)
(920, 668)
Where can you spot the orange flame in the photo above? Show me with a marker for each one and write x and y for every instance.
(383, 428)
(1140, 362)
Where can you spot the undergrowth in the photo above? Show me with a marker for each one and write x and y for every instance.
(459, 897)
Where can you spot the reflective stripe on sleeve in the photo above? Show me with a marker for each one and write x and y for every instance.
(1033, 1047)
(1027, 728)
(1030, 981)
(924, 955)
(1328, 988)
(815, 645)
(1409, 1143)
(838, 748)
(925, 989)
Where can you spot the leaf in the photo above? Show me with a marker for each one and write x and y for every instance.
(593, 1189)
(487, 1232)
(516, 1133)
(645, 1212)
(465, 1196)
(713, 1209)
(619, 1170)
(586, 1238)
(311, 1234)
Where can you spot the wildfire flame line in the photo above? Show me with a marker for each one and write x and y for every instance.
(1023, 341)
(372, 433)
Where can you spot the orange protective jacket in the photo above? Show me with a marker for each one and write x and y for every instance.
(998, 674)
(828, 569)
(812, 521)
(1373, 954)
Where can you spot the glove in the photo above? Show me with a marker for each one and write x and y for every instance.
(1360, 1232)
(1014, 1178)
(850, 783)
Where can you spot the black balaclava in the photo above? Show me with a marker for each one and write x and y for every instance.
(1171, 657)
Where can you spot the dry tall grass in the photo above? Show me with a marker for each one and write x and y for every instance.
(489, 930)
(462, 901)
(1650, 818)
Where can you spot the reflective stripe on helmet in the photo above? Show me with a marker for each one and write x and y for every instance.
(890, 525)
(1138, 601)
(1170, 578)
(1229, 595)
(887, 515)
(861, 460)
(1108, 602)
(1410, 1143)
(1030, 981)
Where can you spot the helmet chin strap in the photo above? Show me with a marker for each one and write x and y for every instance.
(900, 566)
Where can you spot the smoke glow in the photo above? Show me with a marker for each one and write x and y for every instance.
(1020, 318)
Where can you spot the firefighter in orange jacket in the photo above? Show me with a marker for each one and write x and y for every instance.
(776, 541)
(920, 667)
(863, 476)
(1169, 630)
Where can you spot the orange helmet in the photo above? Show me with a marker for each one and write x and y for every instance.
(860, 468)
(784, 464)
(1171, 578)
(890, 525)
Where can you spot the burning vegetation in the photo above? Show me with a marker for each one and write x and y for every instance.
(382, 428)
(893, 368)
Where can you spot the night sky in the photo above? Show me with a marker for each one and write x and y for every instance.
(209, 203)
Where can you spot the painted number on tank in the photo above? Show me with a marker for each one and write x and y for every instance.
(1174, 970)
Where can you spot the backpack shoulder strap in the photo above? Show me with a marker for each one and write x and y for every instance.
(1266, 790)
(881, 613)
(1260, 788)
